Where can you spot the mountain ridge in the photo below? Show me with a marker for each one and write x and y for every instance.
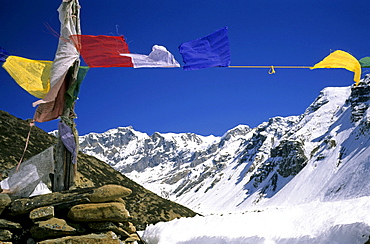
(246, 166)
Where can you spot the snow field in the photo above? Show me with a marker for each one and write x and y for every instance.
(341, 222)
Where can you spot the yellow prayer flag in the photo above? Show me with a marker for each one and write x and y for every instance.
(341, 59)
(31, 75)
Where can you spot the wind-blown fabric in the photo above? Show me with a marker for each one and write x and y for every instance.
(341, 59)
(52, 105)
(22, 181)
(68, 139)
(66, 54)
(102, 51)
(3, 54)
(159, 57)
(32, 75)
(365, 62)
(74, 88)
(209, 51)
(52, 110)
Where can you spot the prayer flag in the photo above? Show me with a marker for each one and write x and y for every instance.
(102, 51)
(209, 51)
(74, 88)
(341, 59)
(68, 139)
(159, 57)
(365, 62)
(66, 54)
(3, 54)
(22, 181)
(52, 110)
(31, 75)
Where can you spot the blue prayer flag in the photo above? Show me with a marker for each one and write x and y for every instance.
(68, 139)
(3, 54)
(209, 51)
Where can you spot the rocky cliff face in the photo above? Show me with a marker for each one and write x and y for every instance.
(142, 204)
(245, 165)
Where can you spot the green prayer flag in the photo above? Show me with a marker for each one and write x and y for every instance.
(74, 89)
(365, 62)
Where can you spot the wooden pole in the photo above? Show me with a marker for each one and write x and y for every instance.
(65, 170)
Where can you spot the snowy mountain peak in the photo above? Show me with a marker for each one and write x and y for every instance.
(240, 130)
(313, 156)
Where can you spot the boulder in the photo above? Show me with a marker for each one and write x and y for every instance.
(133, 238)
(5, 235)
(108, 193)
(57, 199)
(66, 200)
(42, 213)
(6, 224)
(97, 212)
(129, 227)
(4, 201)
(108, 226)
(101, 238)
(53, 227)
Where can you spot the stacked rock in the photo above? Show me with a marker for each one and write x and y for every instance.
(89, 215)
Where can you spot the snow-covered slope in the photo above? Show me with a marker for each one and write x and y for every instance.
(322, 154)
(339, 165)
(340, 222)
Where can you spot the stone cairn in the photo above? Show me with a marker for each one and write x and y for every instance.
(86, 215)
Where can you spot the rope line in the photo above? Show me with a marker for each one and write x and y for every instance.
(271, 67)
(25, 148)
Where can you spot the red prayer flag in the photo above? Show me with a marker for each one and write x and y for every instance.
(102, 51)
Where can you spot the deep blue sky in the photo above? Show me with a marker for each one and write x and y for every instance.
(208, 101)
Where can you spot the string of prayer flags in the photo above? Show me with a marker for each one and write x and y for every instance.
(159, 57)
(102, 51)
(209, 51)
(33, 76)
(341, 59)
(48, 80)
